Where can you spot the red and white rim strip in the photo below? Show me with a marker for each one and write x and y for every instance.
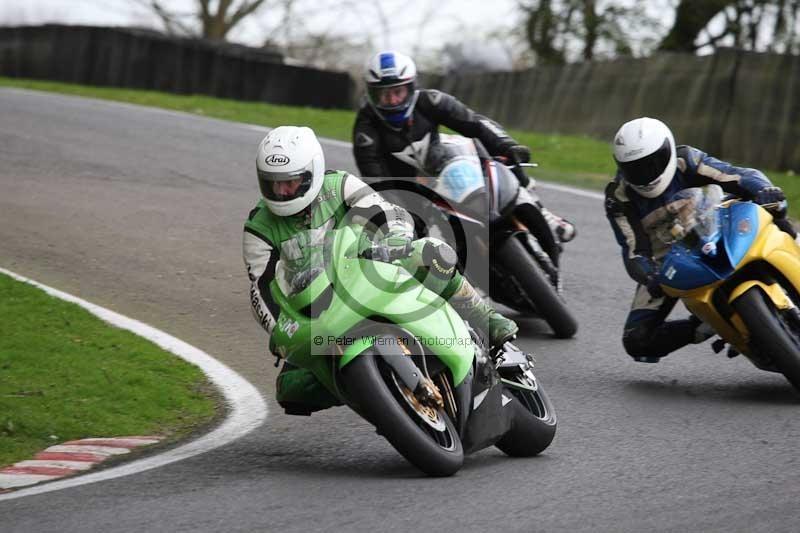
(68, 458)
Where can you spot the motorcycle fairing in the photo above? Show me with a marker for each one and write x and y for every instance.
(391, 295)
(685, 268)
(740, 226)
(749, 238)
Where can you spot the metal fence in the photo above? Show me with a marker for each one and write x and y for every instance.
(142, 59)
(743, 106)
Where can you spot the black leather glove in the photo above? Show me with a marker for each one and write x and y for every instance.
(773, 195)
(654, 287)
(518, 153)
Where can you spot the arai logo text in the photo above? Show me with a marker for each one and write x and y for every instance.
(277, 160)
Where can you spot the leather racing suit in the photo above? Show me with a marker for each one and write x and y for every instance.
(647, 336)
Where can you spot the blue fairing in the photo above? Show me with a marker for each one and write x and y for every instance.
(739, 227)
(686, 268)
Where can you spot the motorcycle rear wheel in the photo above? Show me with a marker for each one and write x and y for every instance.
(534, 421)
(773, 333)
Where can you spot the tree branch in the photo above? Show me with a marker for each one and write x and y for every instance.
(169, 19)
(244, 10)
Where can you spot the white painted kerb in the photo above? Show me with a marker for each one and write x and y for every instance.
(247, 409)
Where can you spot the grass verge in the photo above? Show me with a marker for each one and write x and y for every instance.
(572, 159)
(65, 374)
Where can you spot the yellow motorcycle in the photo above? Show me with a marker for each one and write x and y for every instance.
(735, 270)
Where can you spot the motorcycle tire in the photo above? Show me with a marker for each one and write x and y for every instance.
(534, 282)
(378, 400)
(772, 333)
(534, 423)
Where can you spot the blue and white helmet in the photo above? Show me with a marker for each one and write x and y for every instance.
(391, 80)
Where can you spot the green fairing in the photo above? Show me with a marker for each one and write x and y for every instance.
(365, 289)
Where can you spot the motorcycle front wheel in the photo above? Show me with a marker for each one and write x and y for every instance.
(774, 333)
(426, 437)
(534, 283)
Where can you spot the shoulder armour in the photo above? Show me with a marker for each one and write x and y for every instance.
(431, 97)
(692, 156)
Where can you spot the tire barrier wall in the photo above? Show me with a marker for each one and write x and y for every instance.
(741, 106)
(143, 59)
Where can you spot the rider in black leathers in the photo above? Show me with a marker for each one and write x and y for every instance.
(397, 123)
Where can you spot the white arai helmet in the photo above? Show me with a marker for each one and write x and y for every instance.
(644, 150)
(290, 154)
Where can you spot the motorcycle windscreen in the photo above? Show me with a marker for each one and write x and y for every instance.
(459, 179)
(686, 268)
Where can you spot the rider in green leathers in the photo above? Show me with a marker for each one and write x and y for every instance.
(298, 195)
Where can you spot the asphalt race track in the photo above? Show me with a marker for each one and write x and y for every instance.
(141, 211)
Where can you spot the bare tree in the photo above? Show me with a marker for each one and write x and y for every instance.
(308, 33)
(762, 25)
(691, 17)
(209, 19)
(565, 30)
(544, 27)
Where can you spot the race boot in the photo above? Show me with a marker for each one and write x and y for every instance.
(561, 227)
(482, 317)
(299, 392)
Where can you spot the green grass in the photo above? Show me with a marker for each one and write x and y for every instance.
(65, 374)
(587, 162)
(572, 159)
(333, 123)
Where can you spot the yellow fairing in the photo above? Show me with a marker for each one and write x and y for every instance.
(774, 291)
(772, 246)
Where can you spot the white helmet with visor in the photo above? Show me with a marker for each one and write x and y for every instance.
(291, 169)
(644, 150)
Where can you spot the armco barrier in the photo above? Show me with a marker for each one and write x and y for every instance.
(742, 106)
(125, 57)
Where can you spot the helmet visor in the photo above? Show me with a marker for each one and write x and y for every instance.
(647, 169)
(391, 97)
(284, 187)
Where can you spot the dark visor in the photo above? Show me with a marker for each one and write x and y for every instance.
(647, 169)
(266, 181)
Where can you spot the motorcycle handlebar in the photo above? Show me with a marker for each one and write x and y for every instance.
(511, 164)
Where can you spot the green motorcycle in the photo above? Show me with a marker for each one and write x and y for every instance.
(394, 351)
